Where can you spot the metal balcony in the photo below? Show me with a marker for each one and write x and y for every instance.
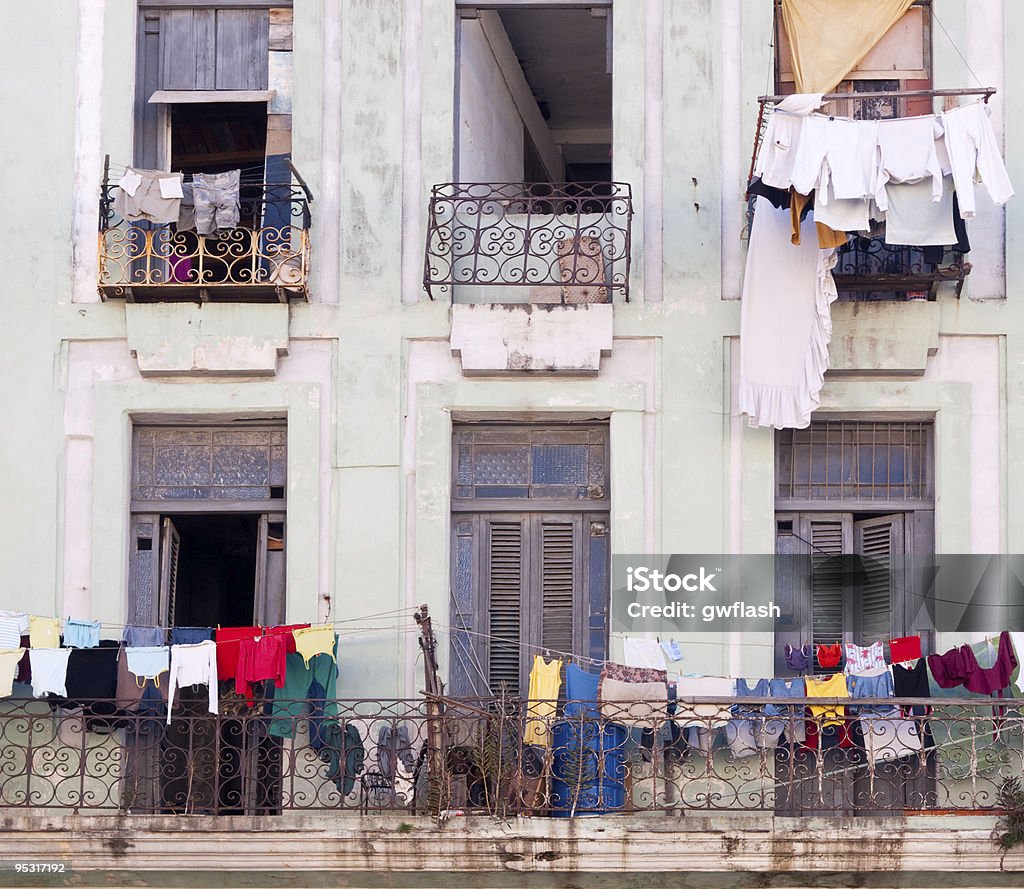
(869, 269)
(264, 259)
(515, 242)
(429, 757)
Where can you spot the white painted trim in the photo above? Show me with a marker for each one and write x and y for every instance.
(412, 163)
(88, 151)
(653, 169)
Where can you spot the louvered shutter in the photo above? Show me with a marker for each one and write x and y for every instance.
(559, 570)
(879, 542)
(506, 572)
(829, 537)
(170, 546)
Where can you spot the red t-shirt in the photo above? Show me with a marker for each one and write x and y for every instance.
(260, 659)
(228, 640)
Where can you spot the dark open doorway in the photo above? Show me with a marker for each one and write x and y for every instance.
(216, 570)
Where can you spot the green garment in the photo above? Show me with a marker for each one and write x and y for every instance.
(308, 691)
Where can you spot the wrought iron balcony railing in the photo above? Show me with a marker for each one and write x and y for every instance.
(264, 258)
(870, 269)
(505, 242)
(496, 756)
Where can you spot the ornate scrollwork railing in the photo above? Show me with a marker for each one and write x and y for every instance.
(497, 756)
(868, 268)
(266, 256)
(567, 242)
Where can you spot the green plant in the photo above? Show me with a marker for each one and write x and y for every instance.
(1009, 829)
(404, 827)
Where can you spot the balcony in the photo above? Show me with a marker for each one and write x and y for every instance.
(868, 269)
(264, 259)
(467, 756)
(533, 243)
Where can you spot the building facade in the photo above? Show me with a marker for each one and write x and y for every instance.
(479, 333)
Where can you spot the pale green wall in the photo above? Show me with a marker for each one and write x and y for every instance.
(378, 468)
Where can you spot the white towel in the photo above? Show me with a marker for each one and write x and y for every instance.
(643, 653)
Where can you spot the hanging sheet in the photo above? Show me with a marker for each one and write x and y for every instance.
(828, 38)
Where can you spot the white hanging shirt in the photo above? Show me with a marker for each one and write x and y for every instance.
(973, 148)
(49, 671)
(194, 664)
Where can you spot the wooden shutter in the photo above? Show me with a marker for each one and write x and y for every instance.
(829, 537)
(170, 547)
(214, 49)
(595, 605)
(879, 541)
(144, 568)
(505, 571)
(559, 581)
(468, 607)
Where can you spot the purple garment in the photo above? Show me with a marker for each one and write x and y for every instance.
(798, 658)
(950, 669)
(988, 680)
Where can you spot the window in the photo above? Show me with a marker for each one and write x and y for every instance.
(213, 95)
(868, 268)
(529, 551)
(845, 489)
(534, 216)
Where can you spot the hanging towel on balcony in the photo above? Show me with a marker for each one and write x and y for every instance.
(260, 659)
(973, 148)
(829, 38)
(634, 696)
(150, 195)
(643, 653)
(785, 325)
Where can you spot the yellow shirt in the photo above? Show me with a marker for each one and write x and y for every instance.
(43, 632)
(545, 683)
(832, 687)
(311, 641)
(9, 658)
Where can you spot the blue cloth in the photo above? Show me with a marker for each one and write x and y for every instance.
(782, 688)
(743, 690)
(581, 692)
(871, 687)
(144, 636)
(81, 633)
(148, 661)
(190, 635)
(315, 687)
(588, 767)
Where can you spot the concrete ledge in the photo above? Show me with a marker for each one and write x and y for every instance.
(883, 337)
(285, 850)
(177, 339)
(492, 338)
